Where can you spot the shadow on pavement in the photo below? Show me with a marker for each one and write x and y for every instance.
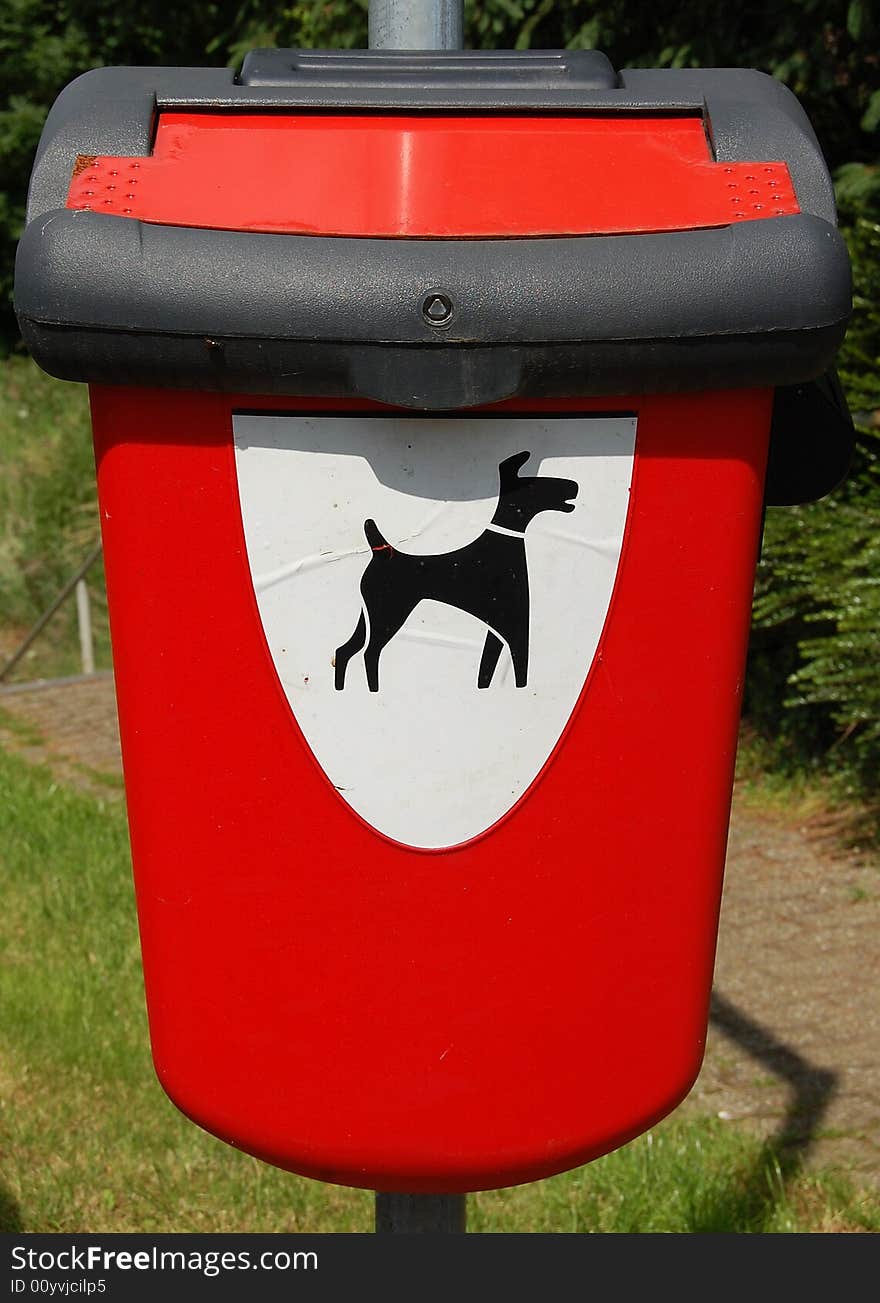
(751, 1202)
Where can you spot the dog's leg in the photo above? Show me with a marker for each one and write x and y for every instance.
(348, 649)
(371, 665)
(519, 653)
(492, 649)
(384, 624)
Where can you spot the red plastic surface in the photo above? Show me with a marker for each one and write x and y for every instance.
(431, 176)
(391, 1018)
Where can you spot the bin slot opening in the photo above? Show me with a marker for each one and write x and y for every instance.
(432, 176)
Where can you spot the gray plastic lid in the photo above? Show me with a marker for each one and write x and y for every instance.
(114, 300)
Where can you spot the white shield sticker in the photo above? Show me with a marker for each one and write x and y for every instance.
(432, 592)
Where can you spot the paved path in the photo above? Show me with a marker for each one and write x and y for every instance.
(794, 1045)
(70, 725)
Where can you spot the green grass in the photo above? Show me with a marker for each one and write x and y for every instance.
(48, 516)
(20, 729)
(823, 798)
(91, 1144)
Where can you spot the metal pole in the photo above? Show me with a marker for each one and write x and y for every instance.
(419, 1214)
(418, 25)
(50, 611)
(84, 621)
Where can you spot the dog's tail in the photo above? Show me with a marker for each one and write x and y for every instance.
(374, 538)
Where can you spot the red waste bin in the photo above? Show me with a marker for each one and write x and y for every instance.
(432, 397)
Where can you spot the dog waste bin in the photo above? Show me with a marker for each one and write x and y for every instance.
(431, 397)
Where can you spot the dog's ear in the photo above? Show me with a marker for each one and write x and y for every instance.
(509, 468)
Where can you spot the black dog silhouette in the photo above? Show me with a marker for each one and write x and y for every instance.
(488, 578)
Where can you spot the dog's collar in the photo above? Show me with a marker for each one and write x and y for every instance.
(502, 529)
